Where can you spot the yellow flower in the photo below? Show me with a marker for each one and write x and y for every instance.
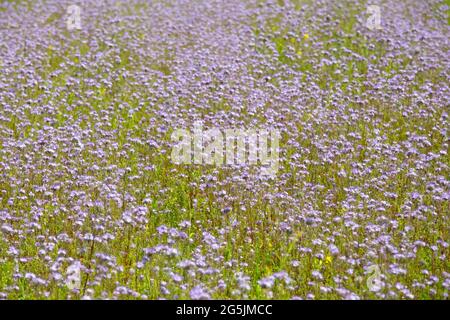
(306, 36)
(299, 52)
(328, 259)
(292, 40)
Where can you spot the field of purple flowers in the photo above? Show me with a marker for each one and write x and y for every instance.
(92, 207)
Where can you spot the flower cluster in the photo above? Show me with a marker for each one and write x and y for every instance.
(92, 207)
